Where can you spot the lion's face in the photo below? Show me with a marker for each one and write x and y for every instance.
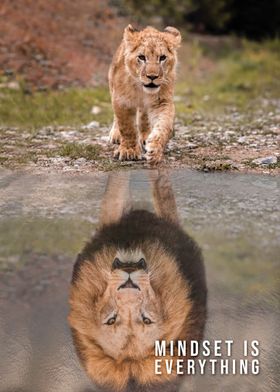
(150, 56)
(130, 315)
(121, 302)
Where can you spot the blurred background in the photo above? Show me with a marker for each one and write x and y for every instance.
(52, 44)
(256, 19)
(55, 55)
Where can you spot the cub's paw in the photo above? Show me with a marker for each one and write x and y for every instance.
(124, 153)
(143, 138)
(154, 152)
(114, 135)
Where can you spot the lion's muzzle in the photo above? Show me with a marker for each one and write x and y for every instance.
(129, 267)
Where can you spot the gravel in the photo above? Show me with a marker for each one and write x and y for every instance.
(234, 141)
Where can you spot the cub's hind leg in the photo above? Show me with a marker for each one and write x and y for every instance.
(143, 126)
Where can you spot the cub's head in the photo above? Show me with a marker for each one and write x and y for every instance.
(150, 56)
(120, 303)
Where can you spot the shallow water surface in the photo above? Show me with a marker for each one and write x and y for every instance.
(46, 220)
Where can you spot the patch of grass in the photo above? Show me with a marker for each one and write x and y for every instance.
(215, 158)
(76, 150)
(274, 165)
(26, 157)
(236, 80)
(18, 236)
(237, 262)
(3, 159)
(233, 74)
(69, 107)
(216, 166)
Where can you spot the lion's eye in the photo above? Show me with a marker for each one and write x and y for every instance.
(162, 58)
(111, 320)
(146, 320)
(142, 57)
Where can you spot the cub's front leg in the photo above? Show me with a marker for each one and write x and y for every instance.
(144, 126)
(162, 119)
(129, 148)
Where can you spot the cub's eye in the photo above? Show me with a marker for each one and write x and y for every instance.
(162, 58)
(146, 320)
(111, 320)
(142, 57)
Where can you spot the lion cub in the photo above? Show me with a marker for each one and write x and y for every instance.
(141, 81)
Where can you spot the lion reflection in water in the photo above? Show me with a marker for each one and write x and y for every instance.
(140, 279)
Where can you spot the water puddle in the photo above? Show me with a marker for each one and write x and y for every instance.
(46, 221)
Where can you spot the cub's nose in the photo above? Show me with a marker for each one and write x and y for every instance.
(129, 267)
(152, 76)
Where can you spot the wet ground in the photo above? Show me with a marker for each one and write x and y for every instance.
(45, 221)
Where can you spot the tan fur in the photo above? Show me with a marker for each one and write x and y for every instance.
(143, 115)
(163, 198)
(116, 199)
(112, 354)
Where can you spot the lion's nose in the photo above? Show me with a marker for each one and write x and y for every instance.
(129, 267)
(152, 76)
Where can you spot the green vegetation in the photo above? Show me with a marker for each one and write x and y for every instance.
(18, 236)
(69, 107)
(240, 260)
(76, 150)
(232, 76)
(238, 79)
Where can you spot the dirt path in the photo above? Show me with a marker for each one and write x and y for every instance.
(234, 141)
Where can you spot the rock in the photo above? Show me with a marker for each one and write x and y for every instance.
(177, 98)
(67, 168)
(271, 160)
(8, 72)
(241, 140)
(191, 146)
(92, 124)
(14, 85)
(182, 129)
(69, 135)
(229, 133)
(95, 110)
(80, 161)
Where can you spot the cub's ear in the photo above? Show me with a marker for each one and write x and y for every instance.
(175, 35)
(129, 32)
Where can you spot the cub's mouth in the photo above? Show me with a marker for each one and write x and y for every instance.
(151, 85)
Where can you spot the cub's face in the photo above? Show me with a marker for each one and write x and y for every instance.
(150, 56)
